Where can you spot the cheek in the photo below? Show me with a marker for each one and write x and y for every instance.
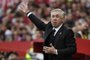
(59, 21)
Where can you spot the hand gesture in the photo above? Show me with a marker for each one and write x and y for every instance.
(23, 7)
(49, 50)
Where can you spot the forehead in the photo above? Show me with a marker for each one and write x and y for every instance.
(56, 13)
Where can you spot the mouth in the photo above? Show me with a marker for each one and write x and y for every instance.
(54, 22)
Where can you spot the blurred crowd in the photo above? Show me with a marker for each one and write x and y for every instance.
(15, 56)
(9, 55)
(15, 26)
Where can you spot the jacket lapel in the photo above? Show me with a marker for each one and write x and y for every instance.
(49, 29)
(60, 32)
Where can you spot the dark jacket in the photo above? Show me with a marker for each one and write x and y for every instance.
(64, 40)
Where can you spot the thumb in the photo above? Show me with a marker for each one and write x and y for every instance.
(51, 45)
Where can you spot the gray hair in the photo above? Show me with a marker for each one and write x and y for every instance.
(62, 13)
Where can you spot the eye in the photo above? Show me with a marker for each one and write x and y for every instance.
(52, 16)
(57, 15)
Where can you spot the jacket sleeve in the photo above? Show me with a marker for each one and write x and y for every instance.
(39, 24)
(70, 45)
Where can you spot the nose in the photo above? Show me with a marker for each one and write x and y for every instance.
(54, 19)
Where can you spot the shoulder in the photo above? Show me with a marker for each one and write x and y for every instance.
(68, 30)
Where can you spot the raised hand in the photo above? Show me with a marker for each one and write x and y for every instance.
(23, 7)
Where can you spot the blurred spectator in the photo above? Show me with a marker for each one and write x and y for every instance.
(28, 37)
(2, 31)
(88, 20)
(8, 34)
(1, 11)
(80, 29)
(69, 22)
(12, 56)
(1, 55)
(38, 35)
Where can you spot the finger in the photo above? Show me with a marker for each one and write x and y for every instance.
(51, 44)
(25, 1)
(24, 5)
(47, 48)
(44, 47)
(21, 6)
(46, 51)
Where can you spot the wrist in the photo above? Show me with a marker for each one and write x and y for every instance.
(56, 52)
(29, 13)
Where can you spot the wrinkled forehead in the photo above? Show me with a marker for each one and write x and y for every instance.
(57, 11)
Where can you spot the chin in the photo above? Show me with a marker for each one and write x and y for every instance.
(55, 26)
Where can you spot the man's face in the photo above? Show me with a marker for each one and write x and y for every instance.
(56, 19)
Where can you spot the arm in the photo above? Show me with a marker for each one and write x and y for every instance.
(41, 25)
(23, 8)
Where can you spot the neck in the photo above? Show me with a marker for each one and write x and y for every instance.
(57, 26)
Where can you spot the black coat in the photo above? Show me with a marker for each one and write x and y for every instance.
(64, 40)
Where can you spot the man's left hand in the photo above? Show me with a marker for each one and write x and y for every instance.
(49, 50)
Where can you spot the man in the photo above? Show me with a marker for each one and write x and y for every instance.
(58, 45)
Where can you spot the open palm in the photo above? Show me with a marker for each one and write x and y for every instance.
(23, 7)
